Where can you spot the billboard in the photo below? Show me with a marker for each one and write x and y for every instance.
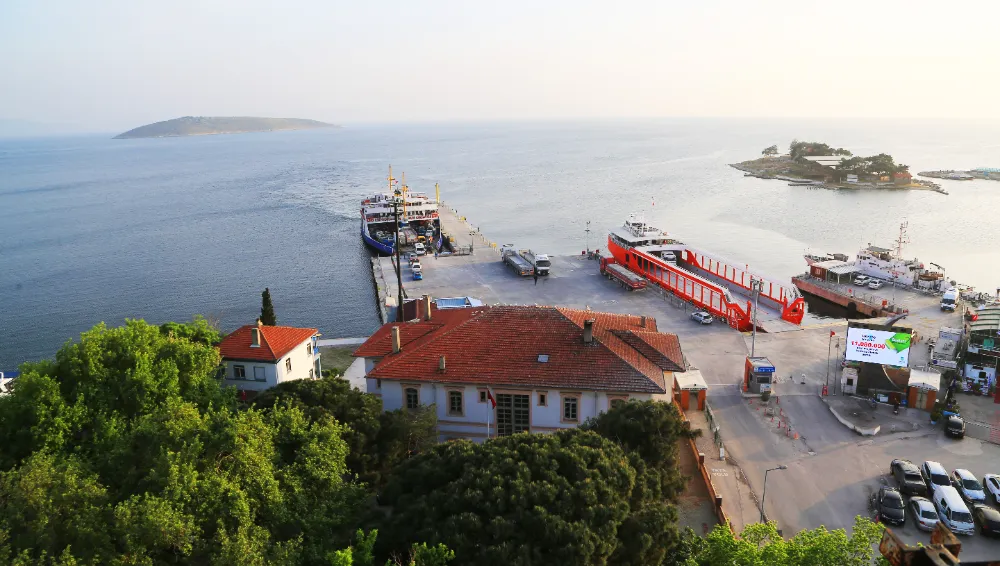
(878, 346)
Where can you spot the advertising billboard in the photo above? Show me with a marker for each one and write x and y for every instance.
(878, 346)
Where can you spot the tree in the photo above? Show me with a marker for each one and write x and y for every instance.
(267, 317)
(761, 545)
(126, 450)
(769, 151)
(377, 441)
(524, 499)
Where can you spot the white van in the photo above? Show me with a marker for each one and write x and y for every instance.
(952, 510)
(419, 249)
(949, 300)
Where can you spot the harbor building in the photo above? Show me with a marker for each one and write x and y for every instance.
(500, 370)
(256, 357)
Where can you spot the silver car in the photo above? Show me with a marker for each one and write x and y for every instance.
(702, 317)
(924, 513)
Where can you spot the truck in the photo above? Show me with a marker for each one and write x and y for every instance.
(539, 261)
(623, 276)
(949, 301)
(513, 259)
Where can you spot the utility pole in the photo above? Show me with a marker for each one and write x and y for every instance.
(829, 350)
(399, 266)
(588, 237)
(756, 285)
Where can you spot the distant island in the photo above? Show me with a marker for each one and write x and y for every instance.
(207, 126)
(820, 165)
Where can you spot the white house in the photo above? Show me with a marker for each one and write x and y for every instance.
(257, 357)
(546, 368)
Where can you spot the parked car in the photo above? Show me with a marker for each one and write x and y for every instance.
(924, 513)
(955, 426)
(908, 477)
(416, 265)
(418, 249)
(935, 476)
(992, 484)
(862, 280)
(952, 511)
(702, 317)
(987, 519)
(669, 257)
(889, 503)
(875, 284)
(968, 486)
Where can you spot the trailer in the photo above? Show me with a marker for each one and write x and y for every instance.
(539, 261)
(624, 277)
(515, 262)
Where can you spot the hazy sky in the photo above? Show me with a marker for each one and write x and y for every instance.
(111, 64)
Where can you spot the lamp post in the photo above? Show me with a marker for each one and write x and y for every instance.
(763, 497)
(755, 287)
(588, 237)
(829, 349)
(399, 267)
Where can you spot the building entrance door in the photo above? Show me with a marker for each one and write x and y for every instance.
(513, 413)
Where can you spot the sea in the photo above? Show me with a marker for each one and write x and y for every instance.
(100, 230)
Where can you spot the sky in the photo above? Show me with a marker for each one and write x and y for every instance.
(113, 65)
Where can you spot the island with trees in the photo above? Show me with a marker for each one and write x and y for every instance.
(820, 165)
(207, 126)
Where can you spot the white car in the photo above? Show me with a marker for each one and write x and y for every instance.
(924, 513)
(702, 317)
(861, 280)
(669, 257)
(418, 249)
(968, 486)
(875, 284)
(992, 484)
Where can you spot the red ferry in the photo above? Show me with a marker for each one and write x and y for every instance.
(721, 287)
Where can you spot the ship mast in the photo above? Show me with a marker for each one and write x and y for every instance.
(404, 188)
(902, 240)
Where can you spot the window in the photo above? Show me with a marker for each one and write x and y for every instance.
(239, 372)
(513, 413)
(541, 399)
(455, 406)
(615, 403)
(482, 395)
(309, 349)
(311, 374)
(378, 384)
(288, 364)
(570, 409)
(412, 398)
(258, 373)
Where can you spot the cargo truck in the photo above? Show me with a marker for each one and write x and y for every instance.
(540, 262)
(624, 277)
(513, 259)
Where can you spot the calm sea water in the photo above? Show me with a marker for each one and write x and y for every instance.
(94, 229)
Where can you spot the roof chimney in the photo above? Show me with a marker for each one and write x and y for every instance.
(642, 321)
(396, 346)
(259, 323)
(588, 331)
(427, 307)
(255, 337)
(441, 364)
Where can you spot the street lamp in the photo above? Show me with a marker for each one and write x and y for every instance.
(763, 498)
(588, 237)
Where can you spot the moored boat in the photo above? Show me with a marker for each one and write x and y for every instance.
(417, 215)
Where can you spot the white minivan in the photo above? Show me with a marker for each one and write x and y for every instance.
(952, 510)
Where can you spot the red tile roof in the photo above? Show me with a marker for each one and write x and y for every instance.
(664, 350)
(501, 346)
(275, 342)
(380, 343)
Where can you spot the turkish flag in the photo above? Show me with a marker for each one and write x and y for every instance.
(489, 395)
(832, 333)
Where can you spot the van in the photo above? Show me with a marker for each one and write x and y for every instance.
(418, 248)
(949, 300)
(952, 510)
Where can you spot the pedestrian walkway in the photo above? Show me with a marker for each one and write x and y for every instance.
(738, 501)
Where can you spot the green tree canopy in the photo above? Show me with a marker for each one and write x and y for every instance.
(377, 441)
(761, 545)
(769, 151)
(125, 450)
(267, 316)
(799, 149)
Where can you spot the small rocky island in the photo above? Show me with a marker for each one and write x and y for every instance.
(207, 126)
(820, 165)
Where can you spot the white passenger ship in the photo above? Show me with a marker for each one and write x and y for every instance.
(418, 217)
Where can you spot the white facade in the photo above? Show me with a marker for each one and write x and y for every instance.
(303, 359)
(545, 411)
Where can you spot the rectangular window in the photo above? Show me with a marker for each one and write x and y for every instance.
(311, 374)
(378, 384)
(570, 413)
(513, 413)
(288, 364)
(258, 373)
(412, 398)
(309, 349)
(617, 402)
(455, 406)
(541, 400)
(482, 395)
(239, 372)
